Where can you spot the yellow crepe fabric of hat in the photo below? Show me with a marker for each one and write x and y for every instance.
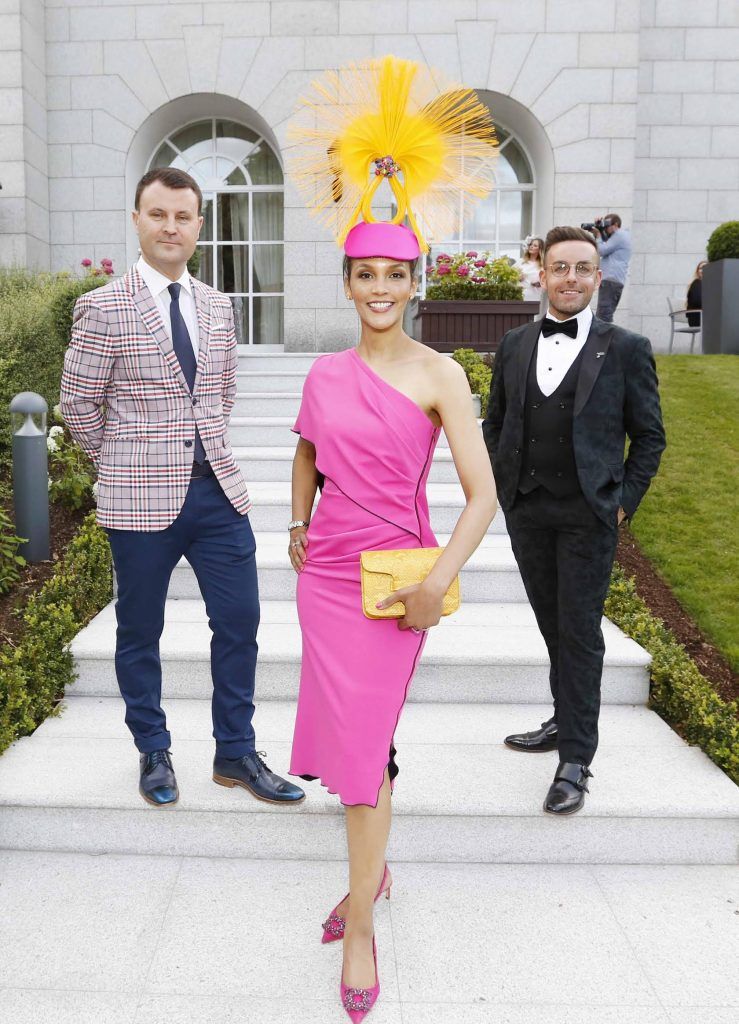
(440, 137)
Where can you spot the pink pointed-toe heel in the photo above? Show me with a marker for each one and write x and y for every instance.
(359, 1001)
(335, 924)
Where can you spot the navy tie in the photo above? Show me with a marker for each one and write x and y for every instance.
(184, 351)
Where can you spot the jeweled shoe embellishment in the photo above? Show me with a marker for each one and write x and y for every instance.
(358, 999)
(334, 925)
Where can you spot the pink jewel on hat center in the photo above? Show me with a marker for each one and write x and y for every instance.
(386, 166)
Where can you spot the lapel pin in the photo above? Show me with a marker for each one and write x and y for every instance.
(599, 354)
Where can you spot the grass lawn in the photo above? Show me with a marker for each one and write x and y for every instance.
(688, 524)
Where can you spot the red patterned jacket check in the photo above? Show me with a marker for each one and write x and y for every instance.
(126, 402)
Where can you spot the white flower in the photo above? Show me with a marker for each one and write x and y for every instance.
(56, 431)
(95, 488)
(51, 444)
(57, 410)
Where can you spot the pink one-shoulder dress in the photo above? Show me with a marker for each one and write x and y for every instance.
(374, 448)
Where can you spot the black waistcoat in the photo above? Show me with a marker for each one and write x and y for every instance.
(548, 456)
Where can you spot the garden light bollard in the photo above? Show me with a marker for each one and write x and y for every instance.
(30, 475)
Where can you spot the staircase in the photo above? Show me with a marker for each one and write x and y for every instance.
(461, 797)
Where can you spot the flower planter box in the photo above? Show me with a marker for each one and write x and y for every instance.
(446, 325)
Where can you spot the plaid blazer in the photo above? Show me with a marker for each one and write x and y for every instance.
(126, 402)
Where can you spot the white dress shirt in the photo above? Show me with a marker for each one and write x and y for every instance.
(556, 354)
(157, 284)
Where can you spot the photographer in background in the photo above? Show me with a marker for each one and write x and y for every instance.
(614, 249)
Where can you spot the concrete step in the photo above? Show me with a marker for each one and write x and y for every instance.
(252, 358)
(270, 381)
(490, 575)
(258, 431)
(259, 403)
(484, 653)
(270, 463)
(272, 509)
(654, 800)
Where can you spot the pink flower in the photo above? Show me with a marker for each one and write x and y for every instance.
(108, 270)
(478, 280)
(471, 254)
(463, 271)
(443, 258)
(480, 263)
(106, 263)
(86, 262)
(443, 269)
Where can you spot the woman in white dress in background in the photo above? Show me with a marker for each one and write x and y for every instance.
(529, 267)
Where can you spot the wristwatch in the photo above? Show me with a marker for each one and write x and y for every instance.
(296, 523)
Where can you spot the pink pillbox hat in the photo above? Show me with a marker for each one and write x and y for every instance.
(393, 241)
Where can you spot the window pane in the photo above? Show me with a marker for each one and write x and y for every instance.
(164, 157)
(481, 221)
(513, 218)
(240, 306)
(236, 177)
(195, 141)
(233, 218)
(206, 232)
(504, 172)
(268, 216)
(517, 162)
(233, 268)
(200, 264)
(234, 140)
(268, 321)
(263, 166)
(268, 268)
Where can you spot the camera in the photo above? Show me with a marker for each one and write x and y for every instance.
(601, 225)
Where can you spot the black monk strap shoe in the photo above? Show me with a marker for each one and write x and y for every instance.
(252, 773)
(157, 784)
(567, 793)
(537, 741)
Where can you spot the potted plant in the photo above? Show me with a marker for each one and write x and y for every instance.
(471, 299)
(479, 374)
(721, 291)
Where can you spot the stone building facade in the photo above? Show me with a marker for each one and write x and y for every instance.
(607, 105)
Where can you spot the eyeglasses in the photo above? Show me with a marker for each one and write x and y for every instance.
(561, 269)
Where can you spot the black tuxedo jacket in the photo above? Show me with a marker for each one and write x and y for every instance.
(616, 397)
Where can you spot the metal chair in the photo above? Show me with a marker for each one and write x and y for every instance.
(680, 316)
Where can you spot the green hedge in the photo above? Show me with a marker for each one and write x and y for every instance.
(35, 324)
(679, 692)
(33, 675)
(479, 373)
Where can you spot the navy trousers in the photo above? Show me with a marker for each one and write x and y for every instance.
(565, 554)
(219, 545)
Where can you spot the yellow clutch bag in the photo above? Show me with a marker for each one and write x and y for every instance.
(386, 571)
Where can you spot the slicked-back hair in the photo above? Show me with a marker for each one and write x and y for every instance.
(346, 268)
(567, 234)
(170, 177)
(614, 219)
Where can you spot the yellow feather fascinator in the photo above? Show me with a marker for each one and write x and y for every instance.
(389, 119)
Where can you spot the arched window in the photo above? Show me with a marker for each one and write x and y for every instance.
(241, 247)
(500, 223)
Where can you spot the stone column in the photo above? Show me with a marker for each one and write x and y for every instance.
(24, 199)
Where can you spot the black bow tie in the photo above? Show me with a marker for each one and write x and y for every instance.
(568, 327)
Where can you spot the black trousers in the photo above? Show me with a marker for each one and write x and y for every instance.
(565, 554)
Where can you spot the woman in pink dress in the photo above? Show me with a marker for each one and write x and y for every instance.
(369, 422)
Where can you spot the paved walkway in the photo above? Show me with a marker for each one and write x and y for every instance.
(167, 940)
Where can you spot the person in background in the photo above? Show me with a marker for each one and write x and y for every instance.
(695, 295)
(529, 268)
(615, 254)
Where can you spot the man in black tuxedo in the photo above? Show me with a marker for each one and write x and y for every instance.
(566, 391)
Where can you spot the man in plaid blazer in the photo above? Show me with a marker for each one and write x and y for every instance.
(148, 386)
